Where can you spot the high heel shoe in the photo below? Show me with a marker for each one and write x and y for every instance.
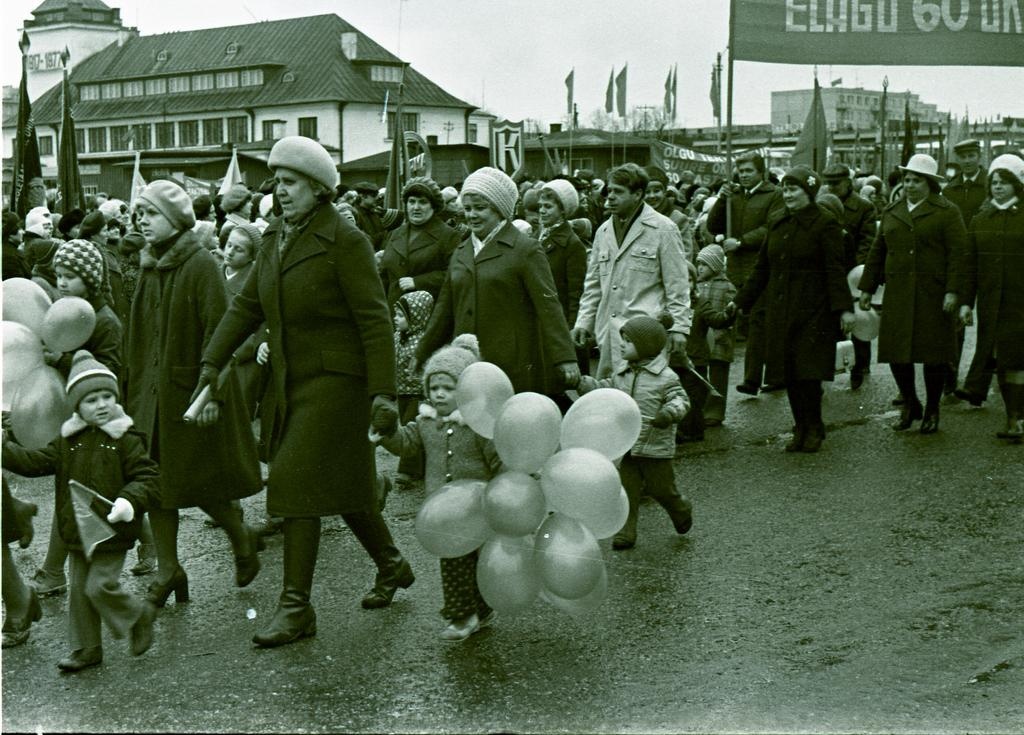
(908, 415)
(17, 632)
(247, 567)
(158, 592)
(930, 422)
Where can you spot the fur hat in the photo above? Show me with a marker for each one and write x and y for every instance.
(496, 187)
(87, 375)
(307, 157)
(806, 178)
(234, 197)
(93, 224)
(1010, 163)
(425, 187)
(69, 220)
(583, 228)
(84, 259)
(836, 171)
(172, 202)
(11, 224)
(648, 335)
(713, 256)
(566, 195)
(36, 218)
(452, 359)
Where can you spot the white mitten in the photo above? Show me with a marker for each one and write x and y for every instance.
(121, 512)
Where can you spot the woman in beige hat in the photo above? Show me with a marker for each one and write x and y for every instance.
(917, 254)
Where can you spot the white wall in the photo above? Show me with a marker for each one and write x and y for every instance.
(48, 42)
(366, 135)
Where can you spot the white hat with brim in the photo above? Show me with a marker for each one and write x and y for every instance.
(1008, 162)
(923, 165)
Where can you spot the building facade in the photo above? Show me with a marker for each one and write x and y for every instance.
(848, 109)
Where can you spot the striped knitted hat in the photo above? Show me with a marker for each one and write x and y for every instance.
(83, 259)
(87, 375)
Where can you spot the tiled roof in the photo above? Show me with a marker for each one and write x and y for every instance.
(49, 6)
(309, 48)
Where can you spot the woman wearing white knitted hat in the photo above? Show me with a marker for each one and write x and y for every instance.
(499, 287)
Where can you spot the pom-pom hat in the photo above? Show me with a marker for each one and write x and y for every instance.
(452, 359)
(566, 194)
(87, 375)
(496, 187)
(172, 202)
(84, 259)
(713, 256)
(305, 156)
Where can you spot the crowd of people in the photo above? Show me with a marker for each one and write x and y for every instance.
(304, 323)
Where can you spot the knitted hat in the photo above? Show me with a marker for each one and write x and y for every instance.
(496, 187)
(422, 186)
(70, 219)
(35, 219)
(452, 359)
(307, 157)
(805, 177)
(87, 375)
(83, 259)
(713, 256)
(172, 202)
(647, 334)
(234, 197)
(566, 194)
(1010, 163)
(93, 224)
(252, 232)
(449, 193)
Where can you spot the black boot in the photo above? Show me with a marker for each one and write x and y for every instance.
(1013, 398)
(810, 401)
(393, 571)
(626, 537)
(679, 509)
(796, 406)
(294, 618)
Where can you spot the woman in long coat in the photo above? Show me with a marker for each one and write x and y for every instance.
(800, 270)
(179, 299)
(994, 273)
(416, 254)
(331, 354)
(499, 287)
(917, 254)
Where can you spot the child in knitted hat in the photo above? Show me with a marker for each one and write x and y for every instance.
(412, 312)
(655, 387)
(99, 448)
(452, 451)
(710, 346)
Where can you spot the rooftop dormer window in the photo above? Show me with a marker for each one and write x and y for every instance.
(162, 57)
(232, 49)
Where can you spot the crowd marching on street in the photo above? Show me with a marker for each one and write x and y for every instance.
(303, 326)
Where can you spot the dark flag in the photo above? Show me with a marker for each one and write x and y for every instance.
(620, 91)
(609, 94)
(26, 147)
(69, 181)
(811, 147)
(716, 90)
(570, 83)
(908, 134)
(398, 163)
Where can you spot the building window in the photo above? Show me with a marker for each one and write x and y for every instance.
(133, 89)
(156, 86)
(307, 127)
(227, 79)
(273, 129)
(288, 77)
(231, 49)
(410, 123)
(80, 140)
(165, 135)
(90, 190)
(471, 135)
(119, 137)
(238, 129)
(252, 77)
(188, 133)
(89, 91)
(142, 137)
(385, 73)
(213, 131)
(177, 84)
(97, 140)
(45, 145)
(201, 82)
(111, 90)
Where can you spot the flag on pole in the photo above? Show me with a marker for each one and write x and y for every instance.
(908, 133)
(675, 90)
(384, 112)
(836, 82)
(811, 148)
(620, 91)
(91, 511)
(233, 175)
(569, 84)
(69, 180)
(668, 94)
(138, 183)
(716, 91)
(609, 95)
(398, 162)
(550, 169)
(26, 147)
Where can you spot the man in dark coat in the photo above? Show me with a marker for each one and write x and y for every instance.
(367, 217)
(754, 202)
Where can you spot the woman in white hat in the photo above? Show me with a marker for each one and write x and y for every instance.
(994, 273)
(917, 254)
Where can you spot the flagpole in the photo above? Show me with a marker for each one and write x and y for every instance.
(728, 113)
(882, 172)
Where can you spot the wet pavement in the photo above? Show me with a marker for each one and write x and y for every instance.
(877, 586)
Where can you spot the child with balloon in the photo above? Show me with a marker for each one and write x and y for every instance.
(663, 403)
(453, 452)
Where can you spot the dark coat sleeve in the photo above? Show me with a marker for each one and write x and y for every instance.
(432, 281)
(441, 325)
(757, 281)
(32, 462)
(831, 237)
(242, 319)
(967, 289)
(575, 274)
(540, 286)
(874, 265)
(142, 489)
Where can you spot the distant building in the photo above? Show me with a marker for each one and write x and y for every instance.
(848, 109)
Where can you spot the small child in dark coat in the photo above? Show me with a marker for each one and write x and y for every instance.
(98, 448)
(710, 346)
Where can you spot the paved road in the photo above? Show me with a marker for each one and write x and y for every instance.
(875, 587)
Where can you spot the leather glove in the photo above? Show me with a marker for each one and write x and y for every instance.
(122, 512)
(581, 337)
(949, 303)
(663, 419)
(208, 376)
(570, 374)
(384, 415)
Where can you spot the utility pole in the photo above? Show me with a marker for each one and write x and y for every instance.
(448, 127)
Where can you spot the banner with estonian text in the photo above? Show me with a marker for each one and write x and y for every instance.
(889, 32)
(674, 159)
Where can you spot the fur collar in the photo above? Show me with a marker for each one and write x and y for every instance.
(115, 428)
(429, 412)
(183, 248)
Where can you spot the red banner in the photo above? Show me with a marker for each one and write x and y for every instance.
(890, 32)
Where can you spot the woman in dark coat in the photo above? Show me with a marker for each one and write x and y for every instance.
(917, 254)
(994, 273)
(499, 287)
(416, 255)
(333, 374)
(179, 299)
(800, 268)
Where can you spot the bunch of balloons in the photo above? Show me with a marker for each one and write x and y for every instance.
(537, 523)
(32, 390)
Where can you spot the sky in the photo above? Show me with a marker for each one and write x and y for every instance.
(512, 57)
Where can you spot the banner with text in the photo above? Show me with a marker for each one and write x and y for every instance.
(896, 32)
(674, 159)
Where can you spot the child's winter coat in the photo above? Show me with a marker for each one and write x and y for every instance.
(111, 459)
(709, 337)
(418, 305)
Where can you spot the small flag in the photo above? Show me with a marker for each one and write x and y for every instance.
(620, 91)
(716, 94)
(233, 175)
(609, 95)
(569, 84)
(668, 95)
(675, 91)
(384, 112)
(836, 82)
(91, 510)
(138, 183)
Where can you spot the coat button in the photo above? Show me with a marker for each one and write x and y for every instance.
(450, 432)
(448, 477)
(450, 452)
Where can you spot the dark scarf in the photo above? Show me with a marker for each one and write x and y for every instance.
(290, 231)
(621, 226)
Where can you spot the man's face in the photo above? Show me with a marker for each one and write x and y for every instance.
(748, 174)
(840, 187)
(970, 162)
(621, 201)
